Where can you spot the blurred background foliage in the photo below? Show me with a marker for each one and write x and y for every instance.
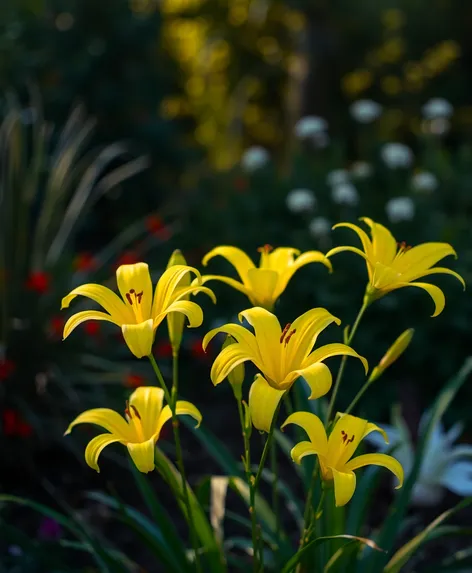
(204, 99)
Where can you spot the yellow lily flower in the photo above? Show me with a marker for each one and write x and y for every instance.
(137, 312)
(264, 284)
(335, 453)
(139, 432)
(392, 265)
(282, 356)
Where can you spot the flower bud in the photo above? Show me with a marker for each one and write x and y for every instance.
(176, 320)
(393, 353)
(236, 376)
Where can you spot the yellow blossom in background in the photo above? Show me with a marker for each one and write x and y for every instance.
(137, 312)
(236, 376)
(391, 85)
(392, 265)
(263, 285)
(393, 19)
(138, 431)
(392, 354)
(357, 82)
(281, 355)
(335, 453)
(391, 51)
(176, 320)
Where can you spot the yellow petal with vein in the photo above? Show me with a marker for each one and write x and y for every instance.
(344, 439)
(263, 401)
(314, 428)
(363, 236)
(378, 460)
(262, 284)
(106, 418)
(105, 297)
(148, 402)
(333, 349)
(337, 250)
(142, 455)
(434, 292)
(238, 332)
(281, 258)
(135, 286)
(183, 408)
(83, 316)
(384, 245)
(238, 258)
(301, 450)
(229, 281)
(319, 379)
(344, 486)
(190, 309)
(95, 448)
(266, 328)
(424, 256)
(437, 271)
(227, 360)
(139, 337)
(168, 285)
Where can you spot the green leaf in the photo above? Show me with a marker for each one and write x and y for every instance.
(161, 517)
(388, 534)
(402, 556)
(211, 550)
(293, 562)
(339, 556)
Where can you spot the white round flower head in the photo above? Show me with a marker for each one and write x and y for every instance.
(396, 155)
(361, 170)
(400, 209)
(319, 227)
(254, 158)
(345, 194)
(437, 107)
(300, 200)
(337, 177)
(424, 182)
(365, 110)
(310, 126)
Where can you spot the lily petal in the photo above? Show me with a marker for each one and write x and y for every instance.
(337, 250)
(344, 486)
(378, 460)
(139, 337)
(142, 455)
(301, 450)
(384, 245)
(95, 447)
(434, 292)
(286, 272)
(374, 428)
(182, 408)
(83, 316)
(280, 258)
(457, 478)
(105, 297)
(238, 332)
(344, 439)
(184, 292)
(263, 401)
(190, 309)
(363, 236)
(229, 281)
(267, 331)
(334, 349)
(318, 377)
(147, 400)
(238, 258)
(262, 284)
(307, 328)
(425, 256)
(135, 286)
(169, 284)
(106, 418)
(434, 271)
(227, 360)
(314, 428)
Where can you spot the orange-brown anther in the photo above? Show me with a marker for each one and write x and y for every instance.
(284, 332)
(345, 438)
(265, 249)
(289, 336)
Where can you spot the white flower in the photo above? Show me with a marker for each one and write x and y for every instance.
(337, 177)
(424, 181)
(310, 126)
(400, 209)
(443, 466)
(361, 170)
(254, 158)
(345, 194)
(396, 155)
(365, 110)
(438, 126)
(319, 227)
(437, 107)
(300, 200)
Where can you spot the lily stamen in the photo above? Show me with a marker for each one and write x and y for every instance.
(284, 331)
(287, 340)
(135, 410)
(265, 249)
(345, 438)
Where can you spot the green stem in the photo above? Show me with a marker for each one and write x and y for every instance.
(359, 395)
(172, 401)
(275, 491)
(352, 333)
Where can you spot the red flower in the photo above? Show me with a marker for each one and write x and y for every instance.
(85, 262)
(38, 282)
(56, 326)
(196, 349)
(163, 349)
(92, 327)
(7, 367)
(127, 258)
(134, 380)
(14, 425)
(156, 226)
